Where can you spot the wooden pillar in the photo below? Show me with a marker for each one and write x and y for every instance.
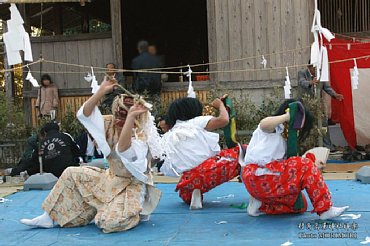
(9, 76)
(24, 10)
(212, 40)
(58, 10)
(115, 10)
(85, 20)
(9, 89)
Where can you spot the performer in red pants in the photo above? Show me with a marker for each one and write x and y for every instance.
(193, 150)
(274, 182)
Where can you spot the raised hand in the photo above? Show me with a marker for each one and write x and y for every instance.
(136, 110)
(216, 103)
(108, 84)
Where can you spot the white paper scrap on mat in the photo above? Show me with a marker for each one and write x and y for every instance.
(367, 240)
(287, 243)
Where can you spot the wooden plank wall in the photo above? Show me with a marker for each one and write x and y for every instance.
(245, 28)
(343, 16)
(90, 52)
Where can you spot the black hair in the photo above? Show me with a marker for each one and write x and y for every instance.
(184, 109)
(111, 63)
(45, 77)
(50, 126)
(163, 117)
(309, 119)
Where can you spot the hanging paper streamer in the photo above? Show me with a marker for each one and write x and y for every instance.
(90, 77)
(16, 39)
(264, 62)
(191, 92)
(287, 86)
(319, 54)
(31, 79)
(354, 76)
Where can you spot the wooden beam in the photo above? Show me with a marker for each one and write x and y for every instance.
(77, 37)
(115, 9)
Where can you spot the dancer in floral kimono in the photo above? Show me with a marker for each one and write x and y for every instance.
(118, 198)
(193, 150)
(274, 175)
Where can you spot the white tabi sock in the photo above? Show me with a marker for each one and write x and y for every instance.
(333, 212)
(42, 221)
(253, 206)
(196, 200)
(144, 217)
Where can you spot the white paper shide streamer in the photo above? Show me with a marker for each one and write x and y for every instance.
(31, 79)
(287, 86)
(16, 39)
(191, 92)
(90, 77)
(264, 62)
(354, 76)
(319, 53)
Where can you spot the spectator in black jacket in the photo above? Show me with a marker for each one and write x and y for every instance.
(58, 151)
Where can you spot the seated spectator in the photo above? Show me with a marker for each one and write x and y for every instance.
(25, 161)
(57, 150)
(89, 148)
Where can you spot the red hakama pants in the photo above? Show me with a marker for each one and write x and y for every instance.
(278, 193)
(209, 174)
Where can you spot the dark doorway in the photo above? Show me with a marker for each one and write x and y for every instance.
(178, 29)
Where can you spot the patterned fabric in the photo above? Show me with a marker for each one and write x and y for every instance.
(211, 173)
(114, 197)
(77, 198)
(278, 193)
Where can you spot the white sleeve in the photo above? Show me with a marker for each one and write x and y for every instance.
(168, 170)
(134, 159)
(279, 128)
(95, 125)
(201, 121)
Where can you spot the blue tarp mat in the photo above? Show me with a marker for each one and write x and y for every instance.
(174, 224)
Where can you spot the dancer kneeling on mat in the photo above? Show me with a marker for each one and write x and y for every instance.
(118, 198)
(193, 151)
(274, 175)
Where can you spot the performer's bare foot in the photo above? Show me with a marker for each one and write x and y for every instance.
(42, 221)
(333, 212)
(253, 207)
(196, 200)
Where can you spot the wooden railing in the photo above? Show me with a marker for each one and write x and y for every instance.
(73, 102)
(11, 152)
